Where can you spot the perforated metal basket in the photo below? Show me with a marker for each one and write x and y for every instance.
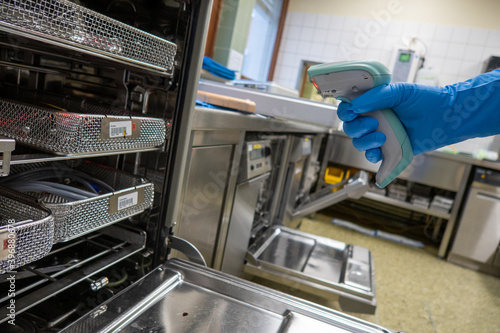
(68, 133)
(26, 230)
(132, 195)
(67, 24)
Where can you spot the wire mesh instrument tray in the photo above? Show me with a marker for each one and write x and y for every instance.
(26, 230)
(66, 24)
(130, 196)
(67, 133)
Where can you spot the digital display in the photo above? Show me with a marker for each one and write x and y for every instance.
(404, 57)
(256, 154)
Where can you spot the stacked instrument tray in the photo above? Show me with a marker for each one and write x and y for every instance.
(56, 130)
(131, 196)
(26, 226)
(65, 24)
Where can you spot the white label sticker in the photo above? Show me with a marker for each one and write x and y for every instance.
(7, 245)
(120, 129)
(127, 200)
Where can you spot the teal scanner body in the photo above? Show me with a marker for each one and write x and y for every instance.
(347, 80)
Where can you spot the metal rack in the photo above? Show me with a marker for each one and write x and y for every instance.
(62, 132)
(110, 246)
(72, 26)
(77, 85)
(26, 228)
(76, 218)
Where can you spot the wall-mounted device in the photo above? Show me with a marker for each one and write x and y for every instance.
(347, 80)
(405, 64)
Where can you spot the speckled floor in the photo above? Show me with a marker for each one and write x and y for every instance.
(417, 291)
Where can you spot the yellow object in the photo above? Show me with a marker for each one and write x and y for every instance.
(334, 175)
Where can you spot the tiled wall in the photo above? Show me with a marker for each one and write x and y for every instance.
(456, 53)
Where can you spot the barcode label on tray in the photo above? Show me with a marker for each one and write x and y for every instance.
(120, 129)
(127, 200)
(7, 245)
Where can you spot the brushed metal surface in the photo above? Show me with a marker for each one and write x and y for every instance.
(425, 169)
(184, 297)
(240, 225)
(478, 234)
(203, 198)
(316, 265)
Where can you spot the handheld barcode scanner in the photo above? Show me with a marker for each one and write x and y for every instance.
(347, 80)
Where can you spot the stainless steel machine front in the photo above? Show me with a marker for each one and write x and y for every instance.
(477, 242)
(275, 184)
(255, 169)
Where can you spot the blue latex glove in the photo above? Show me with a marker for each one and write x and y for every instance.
(433, 116)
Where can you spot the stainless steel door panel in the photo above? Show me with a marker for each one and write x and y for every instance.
(478, 235)
(317, 265)
(192, 298)
(325, 262)
(240, 226)
(288, 250)
(204, 195)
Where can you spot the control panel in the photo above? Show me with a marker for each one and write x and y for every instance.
(256, 159)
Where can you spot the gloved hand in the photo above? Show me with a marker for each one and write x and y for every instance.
(433, 116)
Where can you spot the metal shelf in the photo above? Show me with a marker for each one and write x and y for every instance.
(406, 205)
(41, 158)
(126, 242)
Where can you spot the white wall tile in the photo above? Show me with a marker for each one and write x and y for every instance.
(438, 49)
(295, 18)
(411, 29)
(451, 66)
(303, 48)
(351, 23)
(286, 59)
(443, 33)
(446, 79)
(390, 43)
(309, 20)
(460, 35)
(375, 54)
(490, 51)
(333, 37)
(395, 28)
(336, 22)
(455, 51)
(323, 21)
(469, 69)
(320, 36)
(435, 63)
(316, 49)
(290, 46)
(386, 57)
(493, 39)
(306, 34)
(293, 32)
(376, 42)
(347, 37)
(477, 37)
(426, 32)
(473, 53)
(286, 32)
(330, 51)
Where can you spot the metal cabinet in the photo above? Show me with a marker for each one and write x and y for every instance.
(477, 241)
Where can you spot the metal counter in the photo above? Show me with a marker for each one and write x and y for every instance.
(214, 119)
